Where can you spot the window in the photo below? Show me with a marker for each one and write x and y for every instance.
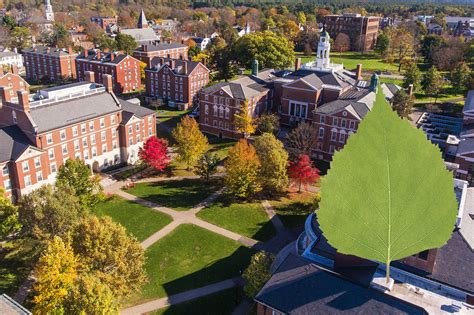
(331, 149)
(76, 145)
(130, 141)
(227, 111)
(37, 162)
(102, 122)
(333, 135)
(321, 133)
(342, 137)
(335, 121)
(27, 180)
(64, 148)
(86, 154)
(137, 126)
(39, 176)
(49, 138)
(26, 166)
(75, 131)
(214, 123)
(52, 167)
(5, 170)
(104, 148)
(150, 131)
(91, 125)
(63, 134)
(94, 152)
(130, 129)
(83, 128)
(114, 144)
(352, 124)
(343, 123)
(7, 184)
(102, 136)
(114, 133)
(92, 139)
(321, 119)
(51, 154)
(112, 119)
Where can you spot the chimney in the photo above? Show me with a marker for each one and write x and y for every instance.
(255, 67)
(162, 61)
(14, 69)
(297, 64)
(89, 76)
(185, 67)
(359, 72)
(5, 92)
(107, 82)
(112, 56)
(182, 41)
(69, 50)
(144, 48)
(204, 61)
(23, 100)
(86, 53)
(410, 90)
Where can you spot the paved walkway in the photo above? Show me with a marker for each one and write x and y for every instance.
(181, 297)
(273, 217)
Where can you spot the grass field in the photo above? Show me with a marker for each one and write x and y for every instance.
(179, 195)
(220, 303)
(370, 61)
(294, 208)
(248, 219)
(139, 220)
(191, 257)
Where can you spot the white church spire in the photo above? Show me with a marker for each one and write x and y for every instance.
(48, 11)
(324, 48)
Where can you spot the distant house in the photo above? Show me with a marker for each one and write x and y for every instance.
(9, 58)
(104, 21)
(143, 33)
(201, 42)
(241, 31)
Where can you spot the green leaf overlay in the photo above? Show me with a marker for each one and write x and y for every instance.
(388, 194)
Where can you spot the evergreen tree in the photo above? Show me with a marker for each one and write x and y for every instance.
(460, 77)
(403, 104)
(433, 82)
(126, 43)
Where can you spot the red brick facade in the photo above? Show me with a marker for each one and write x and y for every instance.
(175, 80)
(48, 63)
(124, 69)
(147, 52)
(104, 21)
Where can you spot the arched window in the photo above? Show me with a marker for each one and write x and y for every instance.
(215, 113)
(206, 109)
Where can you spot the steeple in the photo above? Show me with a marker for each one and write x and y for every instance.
(142, 21)
(48, 11)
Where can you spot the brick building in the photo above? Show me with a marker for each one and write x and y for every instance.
(219, 103)
(83, 120)
(146, 52)
(13, 80)
(465, 150)
(54, 64)
(124, 69)
(104, 21)
(362, 30)
(175, 80)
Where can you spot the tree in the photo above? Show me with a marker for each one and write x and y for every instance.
(244, 123)
(20, 37)
(271, 50)
(126, 43)
(429, 44)
(273, 173)
(107, 251)
(207, 165)
(412, 76)
(401, 45)
(9, 22)
(60, 36)
(383, 43)
(302, 171)
(191, 143)
(257, 273)
(155, 153)
(403, 104)
(301, 140)
(193, 51)
(47, 212)
(55, 274)
(342, 43)
(103, 42)
(432, 82)
(242, 166)
(372, 207)
(9, 223)
(76, 174)
(221, 59)
(268, 122)
(460, 77)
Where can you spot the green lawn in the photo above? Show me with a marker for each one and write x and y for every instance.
(139, 220)
(179, 195)
(221, 146)
(294, 208)
(220, 303)
(191, 257)
(248, 219)
(370, 61)
(16, 261)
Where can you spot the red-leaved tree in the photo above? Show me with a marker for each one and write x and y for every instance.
(302, 172)
(155, 153)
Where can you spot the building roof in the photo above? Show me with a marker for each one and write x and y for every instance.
(142, 19)
(140, 34)
(466, 145)
(13, 143)
(7, 53)
(300, 287)
(8, 306)
(64, 113)
(161, 46)
(105, 57)
(50, 51)
(130, 110)
(178, 65)
(469, 103)
(390, 89)
(339, 78)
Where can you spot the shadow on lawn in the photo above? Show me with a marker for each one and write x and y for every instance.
(227, 268)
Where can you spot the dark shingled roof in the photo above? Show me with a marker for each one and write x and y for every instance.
(92, 55)
(13, 142)
(161, 46)
(178, 68)
(340, 79)
(360, 109)
(55, 52)
(300, 287)
(60, 114)
(130, 110)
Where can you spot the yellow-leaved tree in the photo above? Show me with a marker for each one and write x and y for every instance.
(55, 272)
(244, 123)
(191, 143)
